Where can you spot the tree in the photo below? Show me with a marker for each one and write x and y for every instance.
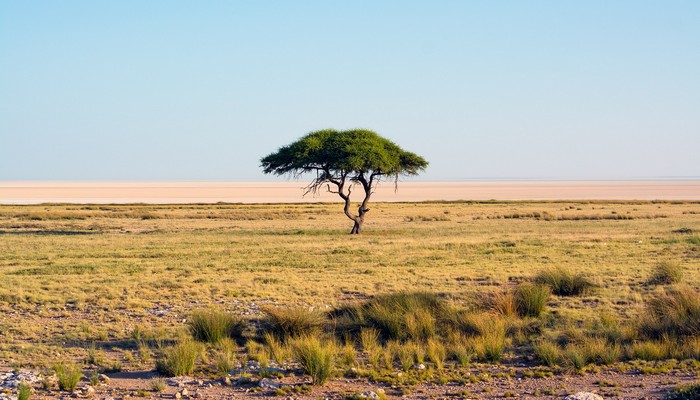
(342, 160)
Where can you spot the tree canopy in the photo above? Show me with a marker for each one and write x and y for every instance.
(357, 156)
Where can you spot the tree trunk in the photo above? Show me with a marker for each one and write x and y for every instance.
(357, 227)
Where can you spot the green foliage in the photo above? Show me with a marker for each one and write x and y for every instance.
(24, 391)
(564, 282)
(685, 392)
(672, 314)
(287, 323)
(666, 273)
(352, 151)
(315, 357)
(396, 316)
(179, 359)
(547, 353)
(158, 384)
(531, 299)
(211, 326)
(68, 376)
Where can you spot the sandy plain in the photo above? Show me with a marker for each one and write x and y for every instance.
(180, 192)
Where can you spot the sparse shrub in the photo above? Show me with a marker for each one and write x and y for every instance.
(531, 299)
(213, 325)
(225, 357)
(685, 392)
(68, 376)
(505, 303)
(405, 355)
(158, 384)
(648, 350)
(348, 354)
(547, 353)
(291, 323)
(436, 353)
(599, 351)
(666, 273)
(24, 391)
(458, 349)
(573, 358)
(278, 350)
(672, 314)
(94, 356)
(491, 343)
(258, 352)
(178, 359)
(369, 338)
(564, 282)
(396, 316)
(315, 357)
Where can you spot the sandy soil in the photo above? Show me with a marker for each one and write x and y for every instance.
(34, 192)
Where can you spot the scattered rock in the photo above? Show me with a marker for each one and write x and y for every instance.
(104, 378)
(266, 383)
(583, 396)
(419, 366)
(367, 395)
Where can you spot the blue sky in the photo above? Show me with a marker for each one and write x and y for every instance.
(200, 90)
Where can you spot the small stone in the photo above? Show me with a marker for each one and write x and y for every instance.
(370, 395)
(178, 395)
(583, 396)
(419, 366)
(103, 378)
(268, 384)
(200, 382)
(184, 392)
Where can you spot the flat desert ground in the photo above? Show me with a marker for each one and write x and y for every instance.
(36, 192)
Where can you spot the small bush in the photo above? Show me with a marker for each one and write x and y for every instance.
(225, 357)
(396, 316)
(315, 357)
(68, 376)
(531, 299)
(666, 273)
(291, 323)
(505, 304)
(24, 391)
(436, 353)
(685, 392)
(599, 351)
(158, 384)
(573, 358)
(179, 359)
(278, 350)
(458, 349)
(547, 353)
(564, 282)
(672, 314)
(489, 346)
(211, 326)
(648, 350)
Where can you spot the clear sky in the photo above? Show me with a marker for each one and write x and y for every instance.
(200, 90)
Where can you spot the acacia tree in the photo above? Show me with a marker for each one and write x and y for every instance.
(342, 160)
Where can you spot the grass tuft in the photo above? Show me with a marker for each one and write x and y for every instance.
(564, 282)
(315, 357)
(68, 376)
(531, 299)
(289, 323)
(666, 273)
(179, 359)
(674, 313)
(213, 325)
(685, 392)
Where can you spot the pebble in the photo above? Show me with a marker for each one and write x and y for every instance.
(583, 396)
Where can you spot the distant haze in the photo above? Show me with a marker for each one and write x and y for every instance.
(184, 90)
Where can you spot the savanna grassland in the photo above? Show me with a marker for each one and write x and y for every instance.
(490, 299)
